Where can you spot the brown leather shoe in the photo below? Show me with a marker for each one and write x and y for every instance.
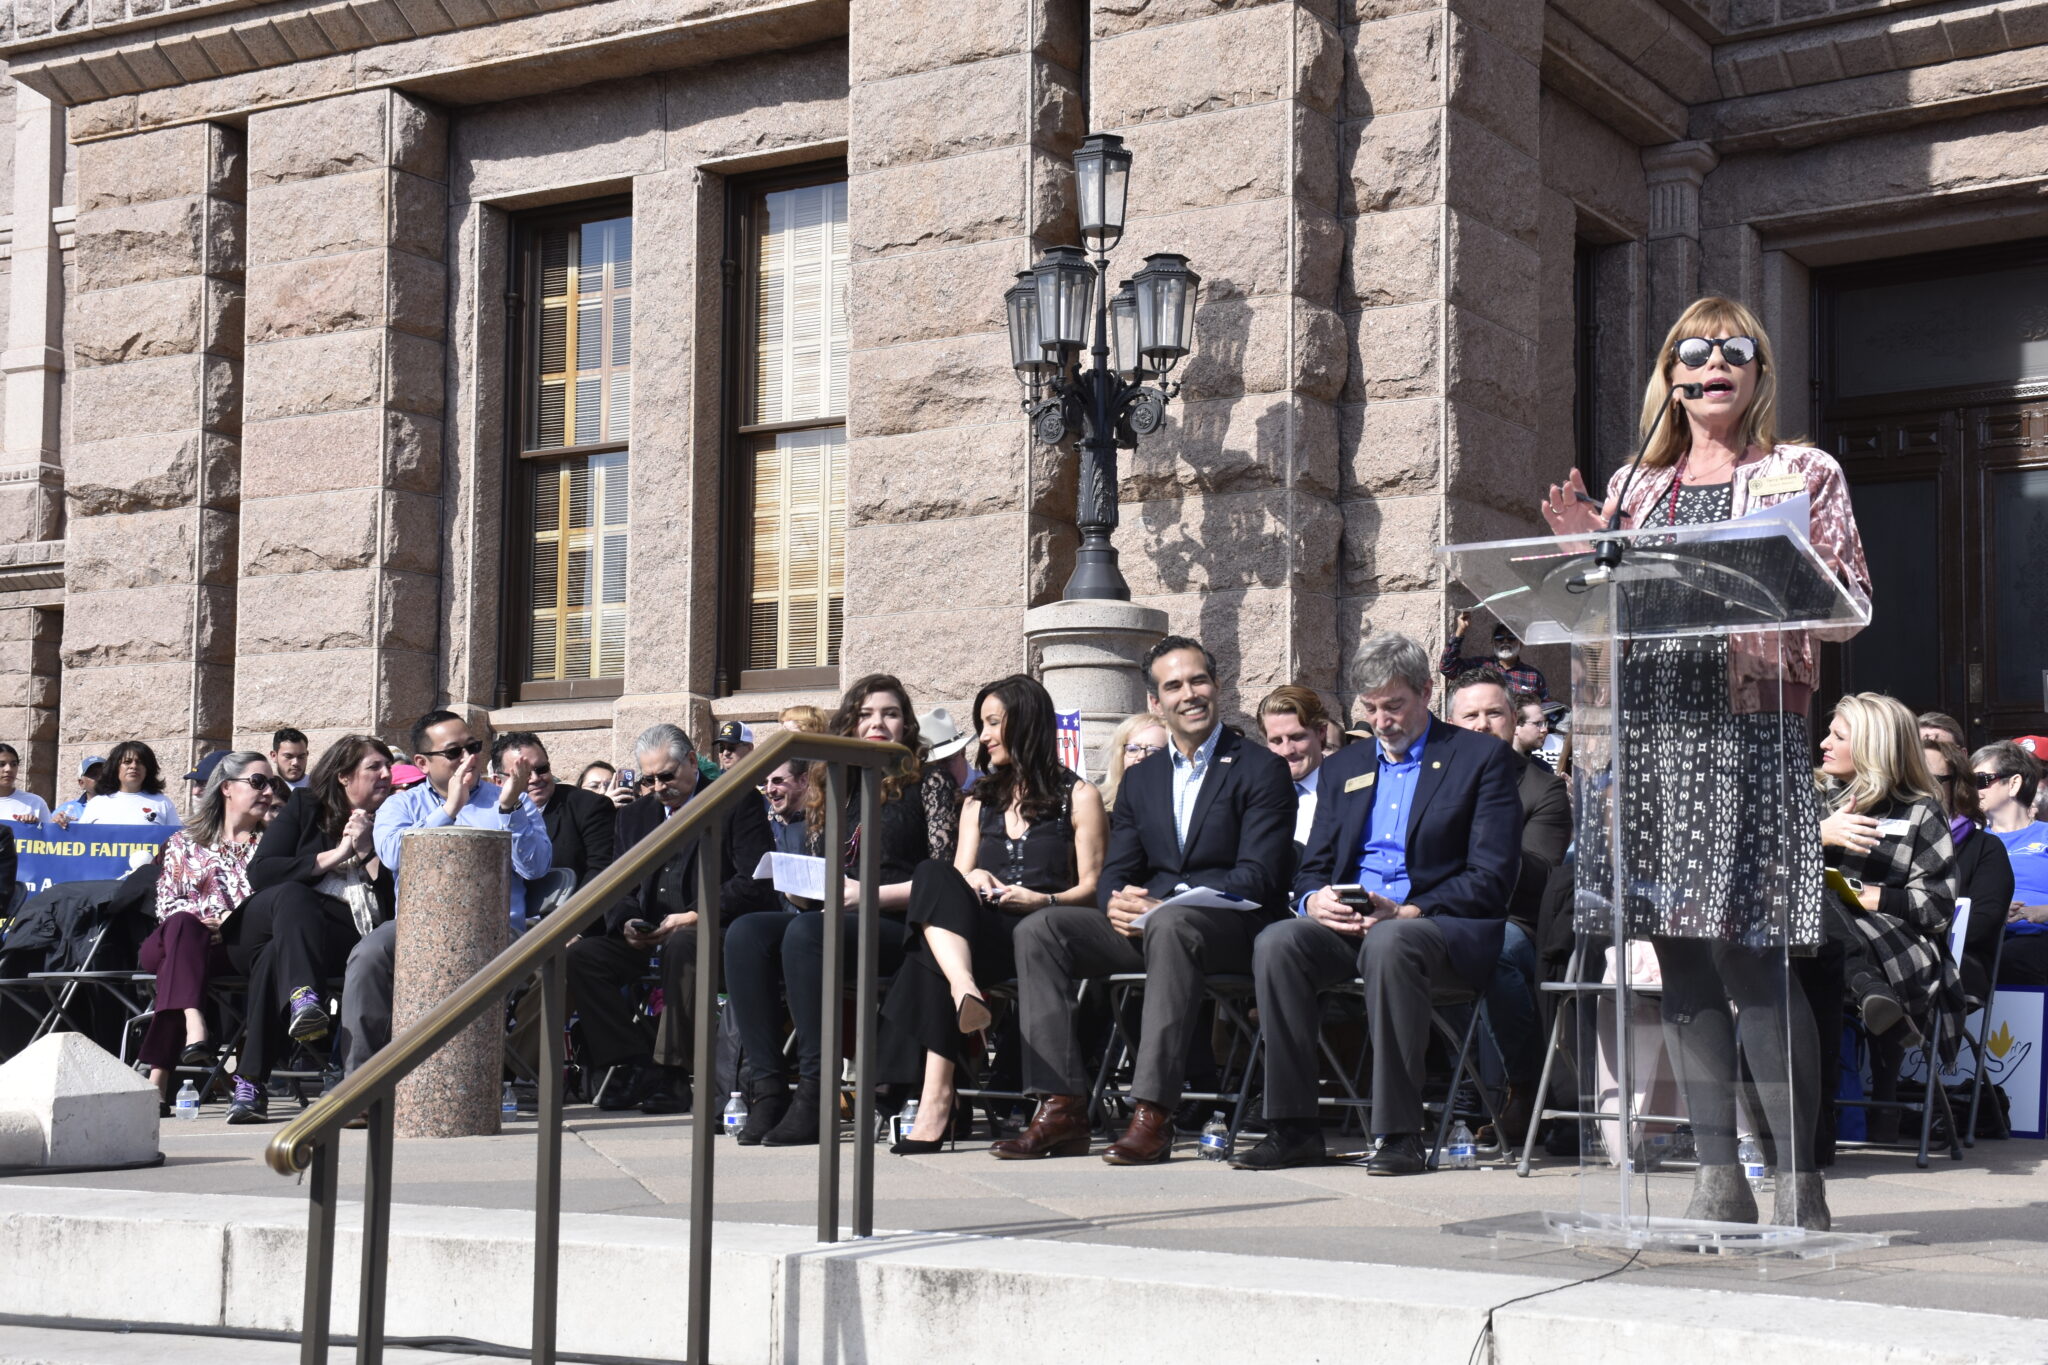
(1059, 1128)
(1149, 1139)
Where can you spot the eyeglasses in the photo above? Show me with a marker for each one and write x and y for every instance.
(1694, 352)
(1144, 750)
(455, 753)
(648, 779)
(1985, 780)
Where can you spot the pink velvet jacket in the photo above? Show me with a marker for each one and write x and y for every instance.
(1774, 670)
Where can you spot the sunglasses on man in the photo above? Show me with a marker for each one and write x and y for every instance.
(537, 770)
(1694, 352)
(455, 753)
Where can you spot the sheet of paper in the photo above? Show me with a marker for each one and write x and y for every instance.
(1201, 897)
(794, 874)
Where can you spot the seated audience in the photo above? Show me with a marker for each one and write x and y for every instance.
(319, 887)
(289, 755)
(1422, 831)
(89, 769)
(1532, 725)
(1505, 660)
(1480, 702)
(1215, 810)
(660, 916)
(1887, 831)
(1031, 836)
(1135, 739)
(1293, 721)
(16, 803)
(810, 719)
(1936, 726)
(2007, 778)
(1983, 868)
(597, 777)
(581, 826)
(945, 746)
(204, 879)
(130, 790)
(778, 953)
(734, 741)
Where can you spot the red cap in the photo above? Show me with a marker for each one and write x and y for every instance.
(405, 775)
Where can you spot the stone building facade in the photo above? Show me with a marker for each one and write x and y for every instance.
(277, 348)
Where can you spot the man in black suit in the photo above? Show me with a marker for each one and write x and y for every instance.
(1215, 810)
(658, 916)
(582, 826)
(1425, 823)
(1480, 701)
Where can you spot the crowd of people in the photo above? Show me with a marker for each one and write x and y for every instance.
(1423, 847)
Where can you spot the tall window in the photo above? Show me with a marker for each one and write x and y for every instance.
(576, 358)
(792, 437)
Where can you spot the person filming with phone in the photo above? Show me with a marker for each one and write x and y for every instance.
(1405, 882)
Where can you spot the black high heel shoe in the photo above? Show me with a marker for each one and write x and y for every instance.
(909, 1146)
(974, 1014)
(199, 1054)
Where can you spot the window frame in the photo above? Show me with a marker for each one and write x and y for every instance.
(736, 473)
(520, 407)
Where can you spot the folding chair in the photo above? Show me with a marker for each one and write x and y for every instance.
(60, 990)
(1978, 1046)
(1930, 1054)
(1233, 997)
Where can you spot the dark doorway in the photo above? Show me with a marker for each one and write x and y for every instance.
(1933, 382)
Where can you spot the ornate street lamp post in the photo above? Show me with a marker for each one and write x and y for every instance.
(1133, 341)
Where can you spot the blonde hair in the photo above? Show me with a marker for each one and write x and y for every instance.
(1709, 317)
(1113, 770)
(1300, 702)
(809, 719)
(1884, 743)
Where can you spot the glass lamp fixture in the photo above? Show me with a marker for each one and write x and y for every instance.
(1166, 291)
(1123, 335)
(1027, 351)
(1066, 297)
(1102, 176)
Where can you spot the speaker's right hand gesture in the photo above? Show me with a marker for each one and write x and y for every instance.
(1570, 510)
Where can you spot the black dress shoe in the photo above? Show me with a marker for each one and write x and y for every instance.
(799, 1125)
(200, 1054)
(767, 1102)
(1398, 1154)
(1292, 1142)
(667, 1093)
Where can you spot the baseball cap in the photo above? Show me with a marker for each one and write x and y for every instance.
(942, 737)
(735, 732)
(2036, 745)
(89, 762)
(206, 766)
(405, 775)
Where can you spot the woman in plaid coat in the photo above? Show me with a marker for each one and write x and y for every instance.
(1888, 832)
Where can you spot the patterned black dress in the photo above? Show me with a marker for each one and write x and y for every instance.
(1720, 818)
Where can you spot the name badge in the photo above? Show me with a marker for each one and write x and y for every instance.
(1362, 780)
(1772, 485)
(1893, 829)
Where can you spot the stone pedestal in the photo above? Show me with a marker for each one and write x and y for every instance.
(66, 1101)
(1087, 655)
(452, 920)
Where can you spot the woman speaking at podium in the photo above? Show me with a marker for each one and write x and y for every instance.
(1716, 760)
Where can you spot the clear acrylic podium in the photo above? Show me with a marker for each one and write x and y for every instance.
(1687, 839)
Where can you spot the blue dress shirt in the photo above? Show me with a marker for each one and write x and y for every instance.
(422, 807)
(1188, 774)
(1383, 858)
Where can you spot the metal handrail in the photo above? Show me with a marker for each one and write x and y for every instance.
(307, 1143)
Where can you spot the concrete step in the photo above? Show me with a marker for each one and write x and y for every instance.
(782, 1299)
(54, 1346)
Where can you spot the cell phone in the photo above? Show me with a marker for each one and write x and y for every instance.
(1353, 895)
(640, 927)
(625, 777)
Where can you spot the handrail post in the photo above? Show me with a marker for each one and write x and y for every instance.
(547, 1188)
(867, 965)
(704, 1117)
(314, 1312)
(834, 988)
(376, 1236)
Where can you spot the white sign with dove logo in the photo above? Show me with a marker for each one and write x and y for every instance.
(2013, 1056)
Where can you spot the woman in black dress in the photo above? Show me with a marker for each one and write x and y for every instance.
(1032, 834)
(919, 819)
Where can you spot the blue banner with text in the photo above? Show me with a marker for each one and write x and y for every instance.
(46, 854)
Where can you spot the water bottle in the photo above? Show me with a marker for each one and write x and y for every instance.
(905, 1117)
(186, 1106)
(1751, 1154)
(1463, 1157)
(508, 1103)
(1215, 1138)
(735, 1115)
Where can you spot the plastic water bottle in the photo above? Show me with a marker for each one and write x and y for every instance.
(186, 1107)
(1751, 1154)
(905, 1117)
(1463, 1157)
(508, 1103)
(1215, 1138)
(735, 1115)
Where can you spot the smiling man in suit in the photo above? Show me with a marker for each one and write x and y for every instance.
(1214, 810)
(1426, 822)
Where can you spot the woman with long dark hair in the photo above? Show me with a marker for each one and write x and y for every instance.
(773, 950)
(203, 881)
(130, 790)
(1032, 834)
(319, 889)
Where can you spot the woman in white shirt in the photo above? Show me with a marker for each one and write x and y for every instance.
(16, 804)
(130, 790)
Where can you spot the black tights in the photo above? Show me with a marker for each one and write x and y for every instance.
(1701, 980)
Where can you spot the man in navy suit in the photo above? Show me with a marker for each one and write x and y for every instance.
(1214, 810)
(1427, 823)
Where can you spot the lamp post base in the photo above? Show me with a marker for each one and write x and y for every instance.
(1087, 654)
